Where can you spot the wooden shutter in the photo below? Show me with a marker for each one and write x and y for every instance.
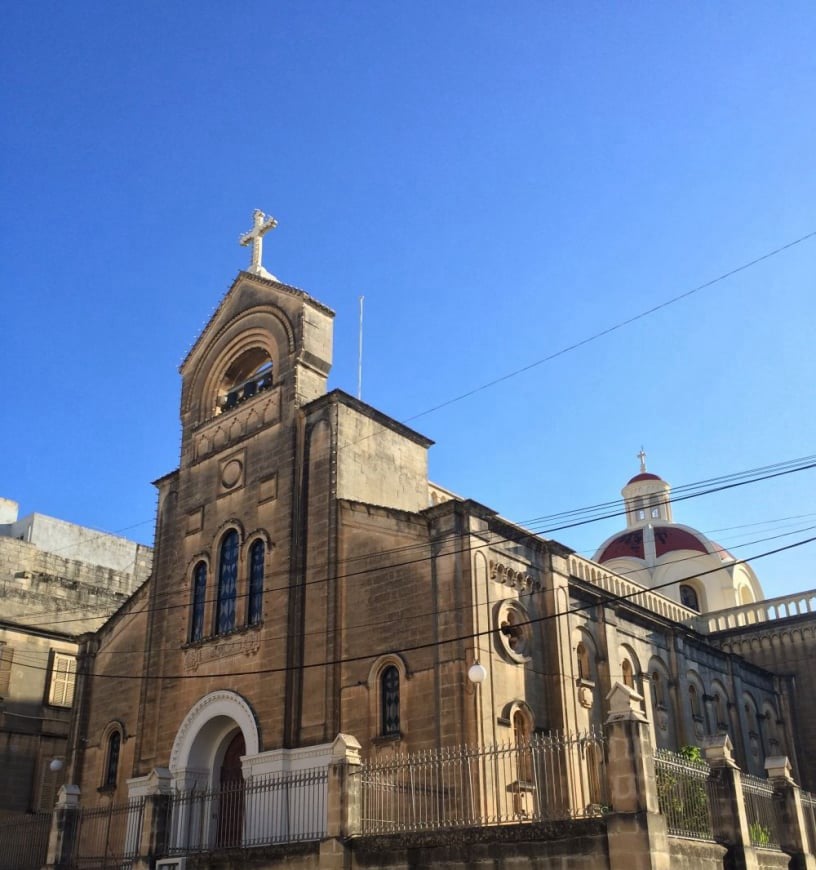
(63, 678)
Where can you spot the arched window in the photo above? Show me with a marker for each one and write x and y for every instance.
(582, 660)
(719, 712)
(694, 701)
(199, 596)
(256, 582)
(112, 761)
(627, 674)
(246, 376)
(227, 577)
(522, 735)
(688, 597)
(390, 702)
(658, 690)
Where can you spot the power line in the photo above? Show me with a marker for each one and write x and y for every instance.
(604, 600)
(692, 490)
(614, 328)
(569, 348)
(403, 617)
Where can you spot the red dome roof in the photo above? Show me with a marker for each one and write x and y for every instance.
(669, 538)
(624, 545)
(645, 475)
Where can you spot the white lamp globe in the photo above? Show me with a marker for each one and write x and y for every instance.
(477, 673)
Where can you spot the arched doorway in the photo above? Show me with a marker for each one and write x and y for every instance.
(231, 802)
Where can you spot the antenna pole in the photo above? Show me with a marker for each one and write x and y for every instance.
(360, 354)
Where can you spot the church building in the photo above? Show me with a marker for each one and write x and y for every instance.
(309, 581)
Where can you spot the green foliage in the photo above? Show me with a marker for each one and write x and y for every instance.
(691, 753)
(760, 835)
(683, 799)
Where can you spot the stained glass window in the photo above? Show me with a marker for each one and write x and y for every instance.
(256, 579)
(227, 581)
(199, 594)
(112, 769)
(390, 700)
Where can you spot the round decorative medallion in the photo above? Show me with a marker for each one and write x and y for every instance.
(514, 631)
(231, 473)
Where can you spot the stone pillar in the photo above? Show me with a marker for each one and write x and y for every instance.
(635, 829)
(64, 828)
(342, 801)
(151, 841)
(793, 836)
(728, 816)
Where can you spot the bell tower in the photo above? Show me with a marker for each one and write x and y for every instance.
(231, 525)
(646, 498)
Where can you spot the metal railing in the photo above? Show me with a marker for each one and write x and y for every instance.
(277, 808)
(24, 841)
(108, 836)
(551, 777)
(758, 795)
(684, 795)
(809, 812)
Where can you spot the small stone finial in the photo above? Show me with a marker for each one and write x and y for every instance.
(642, 457)
(346, 747)
(261, 224)
(779, 767)
(718, 750)
(624, 703)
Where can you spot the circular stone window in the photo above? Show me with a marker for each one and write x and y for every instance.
(514, 631)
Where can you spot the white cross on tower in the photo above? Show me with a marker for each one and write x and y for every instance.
(642, 457)
(261, 224)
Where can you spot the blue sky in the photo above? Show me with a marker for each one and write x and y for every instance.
(499, 181)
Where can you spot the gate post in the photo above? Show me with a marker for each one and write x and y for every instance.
(149, 836)
(64, 829)
(342, 801)
(636, 830)
(728, 804)
(792, 830)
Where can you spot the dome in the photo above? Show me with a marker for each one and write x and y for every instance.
(665, 538)
(656, 552)
(645, 475)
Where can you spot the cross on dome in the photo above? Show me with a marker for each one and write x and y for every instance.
(261, 224)
(642, 457)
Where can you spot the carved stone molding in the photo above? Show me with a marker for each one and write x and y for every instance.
(232, 646)
(230, 427)
(502, 573)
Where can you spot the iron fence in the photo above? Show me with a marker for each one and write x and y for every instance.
(550, 777)
(763, 826)
(685, 795)
(108, 837)
(809, 812)
(277, 808)
(24, 842)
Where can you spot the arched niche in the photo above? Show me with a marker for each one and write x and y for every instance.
(203, 736)
(259, 342)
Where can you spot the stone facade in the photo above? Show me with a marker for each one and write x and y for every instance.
(310, 582)
(57, 581)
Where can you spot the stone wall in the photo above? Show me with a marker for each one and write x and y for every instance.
(786, 647)
(535, 846)
(39, 588)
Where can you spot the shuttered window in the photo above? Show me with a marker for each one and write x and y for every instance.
(63, 678)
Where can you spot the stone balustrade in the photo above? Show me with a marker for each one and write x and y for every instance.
(620, 587)
(782, 607)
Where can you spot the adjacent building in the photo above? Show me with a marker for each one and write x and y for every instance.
(58, 580)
